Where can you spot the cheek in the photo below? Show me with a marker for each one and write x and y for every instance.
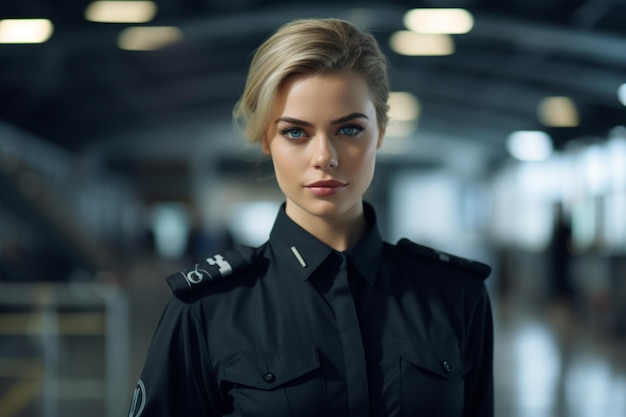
(365, 160)
(285, 162)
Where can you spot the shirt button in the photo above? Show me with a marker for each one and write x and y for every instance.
(446, 366)
(269, 377)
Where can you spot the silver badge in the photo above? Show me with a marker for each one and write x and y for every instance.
(139, 400)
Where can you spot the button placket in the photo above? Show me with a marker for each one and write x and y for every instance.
(352, 343)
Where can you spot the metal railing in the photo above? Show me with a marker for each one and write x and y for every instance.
(49, 316)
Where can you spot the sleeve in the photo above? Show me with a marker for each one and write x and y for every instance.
(479, 396)
(177, 375)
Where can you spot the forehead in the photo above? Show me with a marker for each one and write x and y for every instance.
(330, 92)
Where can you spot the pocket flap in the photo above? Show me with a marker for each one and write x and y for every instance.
(443, 359)
(268, 370)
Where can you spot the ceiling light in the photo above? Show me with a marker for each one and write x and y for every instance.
(530, 145)
(404, 110)
(121, 11)
(439, 20)
(621, 94)
(148, 38)
(403, 106)
(405, 42)
(558, 112)
(25, 30)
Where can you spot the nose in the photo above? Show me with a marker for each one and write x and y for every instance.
(325, 154)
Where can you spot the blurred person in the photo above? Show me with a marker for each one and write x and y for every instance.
(561, 289)
(562, 292)
(325, 318)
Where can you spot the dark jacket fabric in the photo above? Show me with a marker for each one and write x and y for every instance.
(295, 328)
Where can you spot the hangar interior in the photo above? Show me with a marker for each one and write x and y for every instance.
(120, 164)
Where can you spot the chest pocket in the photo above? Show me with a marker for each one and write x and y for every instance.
(285, 383)
(431, 377)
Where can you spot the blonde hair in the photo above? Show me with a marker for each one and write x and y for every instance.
(310, 46)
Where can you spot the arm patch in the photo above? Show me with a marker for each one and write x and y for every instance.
(478, 268)
(213, 268)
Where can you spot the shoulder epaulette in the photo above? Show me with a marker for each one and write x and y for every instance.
(211, 269)
(479, 268)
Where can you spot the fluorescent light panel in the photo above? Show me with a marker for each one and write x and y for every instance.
(121, 11)
(448, 21)
(25, 30)
(404, 110)
(530, 145)
(405, 42)
(148, 38)
(403, 106)
(558, 112)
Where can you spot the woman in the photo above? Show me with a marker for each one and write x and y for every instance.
(325, 319)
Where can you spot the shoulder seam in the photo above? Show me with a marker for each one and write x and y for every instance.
(478, 268)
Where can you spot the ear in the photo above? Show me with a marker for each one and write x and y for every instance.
(265, 145)
(381, 135)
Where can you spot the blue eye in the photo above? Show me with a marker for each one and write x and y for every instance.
(293, 133)
(350, 130)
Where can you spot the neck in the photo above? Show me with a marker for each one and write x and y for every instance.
(338, 233)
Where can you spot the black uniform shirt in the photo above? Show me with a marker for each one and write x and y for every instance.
(299, 329)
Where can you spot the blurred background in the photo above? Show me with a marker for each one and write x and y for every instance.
(119, 164)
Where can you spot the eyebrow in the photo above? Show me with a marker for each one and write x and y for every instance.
(334, 122)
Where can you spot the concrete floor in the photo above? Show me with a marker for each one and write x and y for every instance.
(550, 362)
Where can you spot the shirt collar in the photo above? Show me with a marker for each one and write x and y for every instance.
(365, 255)
(305, 253)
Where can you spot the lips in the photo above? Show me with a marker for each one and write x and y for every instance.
(326, 187)
(327, 184)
